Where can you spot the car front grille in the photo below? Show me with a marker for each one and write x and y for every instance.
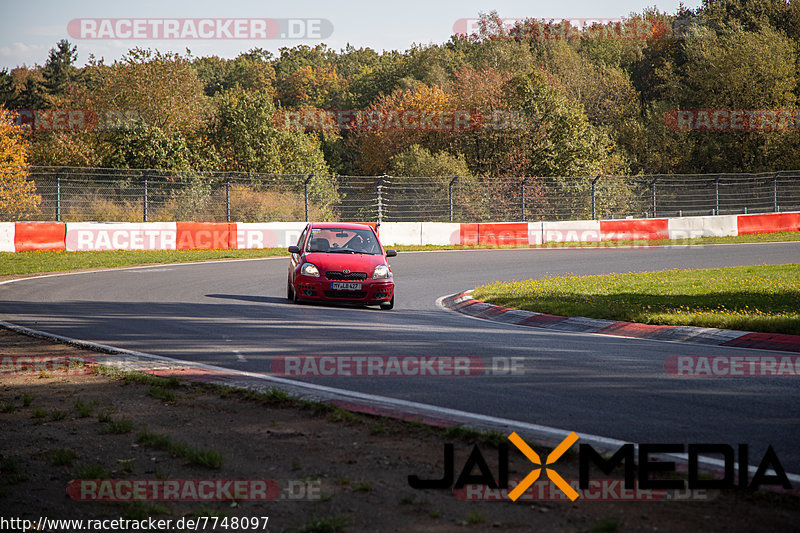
(350, 295)
(341, 276)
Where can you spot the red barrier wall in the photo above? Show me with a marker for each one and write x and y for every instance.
(646, 229)
(771, 223)
(502, 234)
(469, 234)
(509, 234)
(39, 236)
(205, 236)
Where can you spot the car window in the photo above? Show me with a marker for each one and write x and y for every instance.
(334, 240)
(302, 237)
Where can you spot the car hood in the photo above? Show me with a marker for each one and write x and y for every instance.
(338, 262)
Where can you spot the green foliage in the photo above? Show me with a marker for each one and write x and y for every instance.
(418, 161)
(244, 136)
(592, 105)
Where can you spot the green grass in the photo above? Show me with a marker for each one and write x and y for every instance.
(84, 409)
(207, 458)
(160, 393)
(329, 524)
(9, 471)
(61, 457)
(60, 261)
(755, 298)
(91, 471)
(117, 426)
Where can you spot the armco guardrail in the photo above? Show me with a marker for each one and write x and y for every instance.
(141, 195)
(82, 236)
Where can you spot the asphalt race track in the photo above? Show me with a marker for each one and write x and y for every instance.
(234, 314)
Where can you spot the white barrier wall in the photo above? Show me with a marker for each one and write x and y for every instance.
(440, 233)
(83, 236)
(710, 226)
(401, 233)
(268, 234)
(571, 231)
(7, 237)
(79, 236)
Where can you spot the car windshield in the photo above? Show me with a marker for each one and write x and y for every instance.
(346, 241)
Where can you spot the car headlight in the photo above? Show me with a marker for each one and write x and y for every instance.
(309, 269)
(381, 272)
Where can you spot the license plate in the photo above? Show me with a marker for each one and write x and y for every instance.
(345, 286)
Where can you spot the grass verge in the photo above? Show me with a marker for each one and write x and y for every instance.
(754, 298)
(21, 263)
(207, 458)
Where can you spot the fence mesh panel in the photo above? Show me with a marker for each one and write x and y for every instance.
(135, 195)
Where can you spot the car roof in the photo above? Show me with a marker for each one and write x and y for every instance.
(339, 225)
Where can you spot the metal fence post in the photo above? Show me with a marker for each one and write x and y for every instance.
(523, 198)
(775, 192)
(450, 196)
(58, 195)
(379, 191)
(594, 183)
(716, 195)
(144, 197)
(654, 194)
(228, 199)
(305, 193)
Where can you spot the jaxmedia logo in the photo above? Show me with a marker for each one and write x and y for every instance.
(193, 490)
(769, 471)
(199, 28)
(725, 366)
(395, 366)
(26, 364)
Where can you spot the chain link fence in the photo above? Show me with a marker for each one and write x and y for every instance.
(125, 195)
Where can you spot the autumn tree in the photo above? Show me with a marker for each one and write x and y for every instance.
(59, 70)
(18, 196)
(397, 121)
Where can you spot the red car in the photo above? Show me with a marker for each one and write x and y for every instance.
(338, 262)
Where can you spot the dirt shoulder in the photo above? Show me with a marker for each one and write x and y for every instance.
(336, 471)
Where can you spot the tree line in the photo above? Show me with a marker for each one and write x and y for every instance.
(584, 103)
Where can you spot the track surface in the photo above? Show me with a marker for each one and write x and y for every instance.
(234, 314)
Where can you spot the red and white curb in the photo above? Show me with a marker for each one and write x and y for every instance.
(466, 304)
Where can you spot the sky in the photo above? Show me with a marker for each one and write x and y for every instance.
(30, 28)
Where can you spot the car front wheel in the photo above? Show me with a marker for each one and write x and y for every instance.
(388, 305)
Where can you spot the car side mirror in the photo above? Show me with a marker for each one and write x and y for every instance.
(294, 249)
(391, 253)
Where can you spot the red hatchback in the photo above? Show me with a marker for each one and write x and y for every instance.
(339, 262)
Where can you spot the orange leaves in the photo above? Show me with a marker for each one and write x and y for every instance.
(17, 195)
